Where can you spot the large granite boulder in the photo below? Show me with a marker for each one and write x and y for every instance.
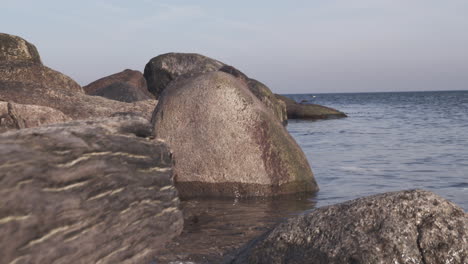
(308, 111)
(226, 142)
(17, 116)
(163, 69)
(86, 192)
(126, 86)
(16, 49)
(406, 227)
(29, 82)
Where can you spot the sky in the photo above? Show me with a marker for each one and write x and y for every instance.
(314, 46)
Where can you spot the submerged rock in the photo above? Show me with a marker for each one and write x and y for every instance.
(29, 82)
(163, 69)
(400, 227)
(88, 192)
(17, 116)
(308, 111)
(126, 86)
(226, 142)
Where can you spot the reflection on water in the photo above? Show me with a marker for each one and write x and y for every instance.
(214, 227)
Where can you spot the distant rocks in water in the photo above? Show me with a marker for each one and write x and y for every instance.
(86, 191)
(226, 142)
(308, 111)
(126, 86)
(18, 116)
(16, 49)
(401, 227)
(31, 83)
(163, 69)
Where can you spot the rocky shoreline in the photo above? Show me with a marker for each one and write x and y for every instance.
(95, 174)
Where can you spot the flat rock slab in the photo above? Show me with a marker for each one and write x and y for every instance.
(86, 192)
(406, 227)
(18, 116)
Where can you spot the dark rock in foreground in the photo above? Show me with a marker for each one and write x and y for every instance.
(18, 116)
(126, 86)
(86, 192)
(163, 69)
(308, 111)
(401, 227)
(226, 142)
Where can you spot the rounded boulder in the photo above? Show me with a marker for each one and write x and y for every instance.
(225, 141)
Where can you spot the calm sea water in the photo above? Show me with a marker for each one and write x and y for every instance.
(390, 141)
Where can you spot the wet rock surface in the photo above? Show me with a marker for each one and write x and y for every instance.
(18, 116)
(86, 192)
(163, 69)
(308, 111)
(126, 86)
(401, 227)
(226, 143)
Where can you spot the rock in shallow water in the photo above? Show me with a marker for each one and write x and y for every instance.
(225, 141)
(86, 192)
(308, 111)
(404, 227)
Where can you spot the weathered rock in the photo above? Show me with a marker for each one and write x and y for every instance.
(29, 82)
(16, 49)
(37, 75)
(165, 68)
(17, 116)
(86, 192)
(265, 95)
(404, 227)
(74, 105)
(126, 86)
(308, 111)
(226, 142)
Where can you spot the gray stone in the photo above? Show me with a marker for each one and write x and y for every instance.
(86, 192)
(16, 49)
(163, 69)
(406, 227)
(126, 86)
(17, 116)
(226, 142)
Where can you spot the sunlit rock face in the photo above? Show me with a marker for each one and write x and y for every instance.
(16, 49)
(404, 227)
(86, 192)
(226, 142)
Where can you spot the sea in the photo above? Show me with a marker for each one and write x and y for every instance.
(389, 142)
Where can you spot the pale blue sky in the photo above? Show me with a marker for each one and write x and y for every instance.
(292, 46)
